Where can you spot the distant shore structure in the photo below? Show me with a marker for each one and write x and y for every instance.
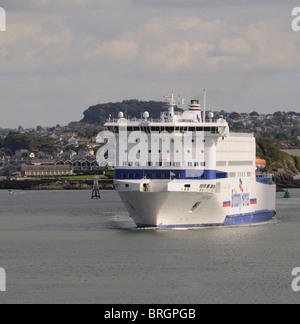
(96, 190)
(47, 170)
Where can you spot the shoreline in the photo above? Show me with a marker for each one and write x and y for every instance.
(55, 184)
(104, 184)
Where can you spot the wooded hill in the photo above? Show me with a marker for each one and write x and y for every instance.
(131, 108)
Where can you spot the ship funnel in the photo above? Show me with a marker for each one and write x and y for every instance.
(195, 105)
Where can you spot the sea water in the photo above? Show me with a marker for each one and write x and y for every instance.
(63, 247)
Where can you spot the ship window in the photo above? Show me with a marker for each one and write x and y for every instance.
(113, 129)
(130, 175)
(240, 163)
(167, 176)
(149, 175)
(136, 175)
(221, 175)
(187, 186)
(124, 175)
(158, 176)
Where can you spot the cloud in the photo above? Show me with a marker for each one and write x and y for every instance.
(73, 53)
(119, 50)
(206, 3)
(189, 44)
(51, 6)
(34, 41)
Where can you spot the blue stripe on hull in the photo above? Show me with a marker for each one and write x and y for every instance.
(240, 219)
(256, 217)
(158, 174)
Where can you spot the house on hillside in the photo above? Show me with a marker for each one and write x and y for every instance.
(46, 170)
(21, 153)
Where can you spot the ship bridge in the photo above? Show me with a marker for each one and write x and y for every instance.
(191, 120)
(185, 140)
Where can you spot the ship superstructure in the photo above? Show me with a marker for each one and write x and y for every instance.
(188, 170)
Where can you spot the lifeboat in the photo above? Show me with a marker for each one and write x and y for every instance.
(260, 164)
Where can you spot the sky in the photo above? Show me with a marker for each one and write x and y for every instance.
(58, 57)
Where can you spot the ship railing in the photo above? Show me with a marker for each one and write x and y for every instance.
(233, 134)
(133, 120)
(266, 178)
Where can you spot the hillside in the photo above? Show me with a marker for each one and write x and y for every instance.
(282, 127)
(287, 167)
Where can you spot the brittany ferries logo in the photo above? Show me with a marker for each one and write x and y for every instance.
(240, 198)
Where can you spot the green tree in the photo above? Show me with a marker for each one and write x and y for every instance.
(234, 115)
(17, 141)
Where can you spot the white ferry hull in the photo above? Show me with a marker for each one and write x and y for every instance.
(194, 209)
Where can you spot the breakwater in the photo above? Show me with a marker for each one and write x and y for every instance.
(54, 184)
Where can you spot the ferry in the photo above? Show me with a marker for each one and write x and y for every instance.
(211, 177)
